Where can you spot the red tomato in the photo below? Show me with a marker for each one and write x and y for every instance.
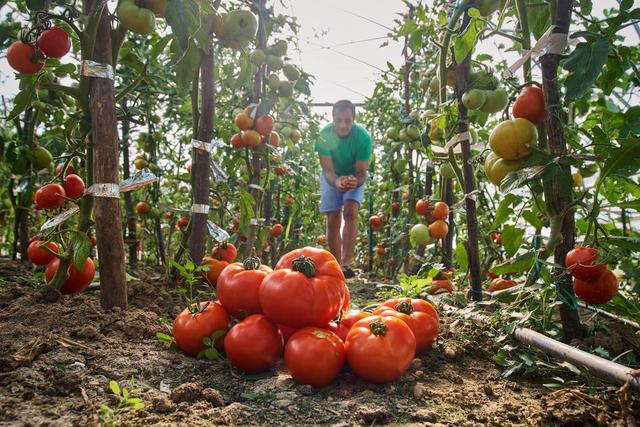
(492, 275)
(438, 284)
(54, 42)
(189, 329)
(264, 125)
(216, 267)
(301, 356)
(500, 284)
(73, 186)
(77, 281)
(253, 345)
(347, 321)
(50, 196)
(238, 286)
(422, 207)
(380, 349)
(418, 314)
(276, 230)
(530, 105)
(305, 289)
(236, 141)
(395, 207)
(286, 332)
(599, 291)
(225, 251)
(143, 208)
(94, 241)
(440, 211)
(182, 223)
(290, 200)
(22, 58)
(496, 237)
(375, 222)
(581, 263)
(68, 171)
(39, 256)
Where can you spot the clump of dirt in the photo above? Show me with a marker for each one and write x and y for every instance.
(57, 360)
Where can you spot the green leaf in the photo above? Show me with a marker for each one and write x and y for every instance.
(512, 237)
(538, 17)
(628, 154)
(630, 243)
(532, 218)
(465, 43)
(519, 178)
(461, 256)
(186, 64)
(115, 387)
(81, 245)
(159, 47)
(164, 337)
(504, 210)
(517, 265)
(634, 204)
(125, 393)
(21, 102)
(183, 16)
(584, 65)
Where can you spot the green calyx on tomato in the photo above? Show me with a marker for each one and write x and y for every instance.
(404, 307)
(196, 308)
(251, 263)
(304, 265)
(136, 19)
(378, 328)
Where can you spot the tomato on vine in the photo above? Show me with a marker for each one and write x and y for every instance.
(23, 58)
(54, 42)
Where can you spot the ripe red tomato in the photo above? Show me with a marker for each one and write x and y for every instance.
(395, 207)
(253, 345)
(216, 266)
(530, 105)
(189, 329)
(225, 251)
(238, 286)
(314, 356)
(54, 42)
(182, 223)
(73, 186)
(492, 275)
(236, 141)
(143, 208)
(94, 241)
(496, 237)
(264, 125)
(22, 58)
(422, 207)
(375, 222)
(348, 320)
(581, 263)
(39, 256)
(286, 332)
(599, 291)
(276, 230)
(418, 314)
(77, 281)
(381, 250)
(290, 200)
(50, 196)
(500, 284)
(380, 349)
(438, 285)
(307, 288)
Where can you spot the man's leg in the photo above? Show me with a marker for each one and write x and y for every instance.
(350, 232)
(334, 223)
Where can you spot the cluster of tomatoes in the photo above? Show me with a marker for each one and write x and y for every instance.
(437, 228)
(291, 311)
(52, 196)
(28, 58)
(512, 141)
(254, 133)
(592, 282)
(77, 279)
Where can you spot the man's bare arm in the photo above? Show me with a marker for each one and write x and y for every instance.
(327, 169)
(362, 166)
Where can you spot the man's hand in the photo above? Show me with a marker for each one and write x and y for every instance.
(346, 183)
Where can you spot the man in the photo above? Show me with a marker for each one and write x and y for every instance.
(344, 148)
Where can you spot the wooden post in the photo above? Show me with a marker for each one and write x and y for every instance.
(558, 196)
(201, 167)
(105, 161)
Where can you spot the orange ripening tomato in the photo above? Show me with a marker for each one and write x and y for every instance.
(440, 211)
(225, 251)
(215, 268)
(500, 284)
(190, 328)
(380, 348)
(440, 285)
(418, 314)
(238, 285)
(530, 105)
(438, 229)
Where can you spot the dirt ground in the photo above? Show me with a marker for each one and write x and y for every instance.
(56, 360)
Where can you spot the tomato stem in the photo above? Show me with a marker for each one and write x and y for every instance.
(251, 263)
(304, 265)
(378, 327)
(404, 307)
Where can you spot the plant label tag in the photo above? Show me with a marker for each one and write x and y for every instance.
(60, 218)
(219, 175)
(95, 69)
(218, 234)
(171, 209)
(217, 143)
(201, 145)
(200, 209)
(104, 190)
(141, 178)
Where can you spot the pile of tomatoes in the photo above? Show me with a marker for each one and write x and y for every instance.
(27, 58)
(300, 311)
(592, 282)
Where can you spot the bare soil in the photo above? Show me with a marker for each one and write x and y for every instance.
(57, 358)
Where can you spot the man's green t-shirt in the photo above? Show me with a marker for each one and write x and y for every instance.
(344, 151)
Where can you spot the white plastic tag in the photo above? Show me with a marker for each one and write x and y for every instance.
(60, 218)
(200, 209)
(95, 69)
(218, 234)
(553, 43)
(104, 190)
(201, 145)
(219, 175)
(140, 179)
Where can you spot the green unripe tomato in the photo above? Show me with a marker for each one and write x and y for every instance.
(136, 19)
(474, 99)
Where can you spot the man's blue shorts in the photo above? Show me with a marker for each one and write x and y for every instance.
(331, 200)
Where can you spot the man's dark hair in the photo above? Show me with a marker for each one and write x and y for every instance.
(344, 105)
